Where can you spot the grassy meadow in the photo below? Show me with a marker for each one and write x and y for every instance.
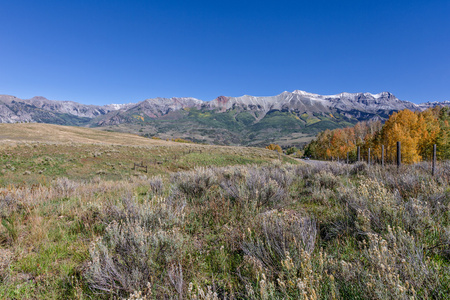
(209, 222)
(40, 153)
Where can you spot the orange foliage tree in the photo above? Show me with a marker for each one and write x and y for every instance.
(274, 147)
(417, 132)
(430, 130)
(443, 138)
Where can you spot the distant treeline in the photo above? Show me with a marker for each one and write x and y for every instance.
(417, 132)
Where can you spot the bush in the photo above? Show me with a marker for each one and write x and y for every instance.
(277, 236)
(195, 183)
(129, 256)
(138, 247)
(291, 150)
(8, 205)
(394, 267)
(65, 187)
(261, 187)
(372, 205)
(359, 168)
(324, 180)
(156, 185)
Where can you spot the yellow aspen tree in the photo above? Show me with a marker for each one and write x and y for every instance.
(274, 147)
(443, 138)
(429, 128)
(402, 127)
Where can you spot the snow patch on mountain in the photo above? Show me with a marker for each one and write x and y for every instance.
(40, 109)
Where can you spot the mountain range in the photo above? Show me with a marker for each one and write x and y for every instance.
(290, 118)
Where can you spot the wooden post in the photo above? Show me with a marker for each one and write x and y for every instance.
(347, 158)
(359, 153)
(399, 155)
(382, 155)
(433, 166)
(368, 157)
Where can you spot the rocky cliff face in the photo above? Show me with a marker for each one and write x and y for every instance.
(150, 108)
(426, 105)
(40, 109)
(352, 105)
(300, 101)
(11, 113)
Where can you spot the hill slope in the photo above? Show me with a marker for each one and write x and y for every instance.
(35, 153)
(57, 134)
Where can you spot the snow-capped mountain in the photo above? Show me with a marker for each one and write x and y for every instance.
(351, 105)
(301, 101)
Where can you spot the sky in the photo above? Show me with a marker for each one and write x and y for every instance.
(109, 51)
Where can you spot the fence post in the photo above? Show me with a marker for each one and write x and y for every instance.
(368, 158)
(382, 155)
(359, 153)
(433, 168)
(399, 155)
(347, 158)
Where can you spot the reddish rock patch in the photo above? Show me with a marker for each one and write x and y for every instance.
(222, 102)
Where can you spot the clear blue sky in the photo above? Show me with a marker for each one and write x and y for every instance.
(108, 51)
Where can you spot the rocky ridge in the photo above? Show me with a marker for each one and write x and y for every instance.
(40, 109)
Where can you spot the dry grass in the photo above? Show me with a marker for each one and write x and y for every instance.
(63, 134)
(42, 152)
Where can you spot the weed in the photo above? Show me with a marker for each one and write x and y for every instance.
(278, 236)
(195, 183)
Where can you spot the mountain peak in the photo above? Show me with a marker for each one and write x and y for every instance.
(39, 98)
(304, 93)
(384, 94)
(351, 105)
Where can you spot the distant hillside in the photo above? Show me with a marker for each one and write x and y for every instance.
(290, 118)
(50, 133)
